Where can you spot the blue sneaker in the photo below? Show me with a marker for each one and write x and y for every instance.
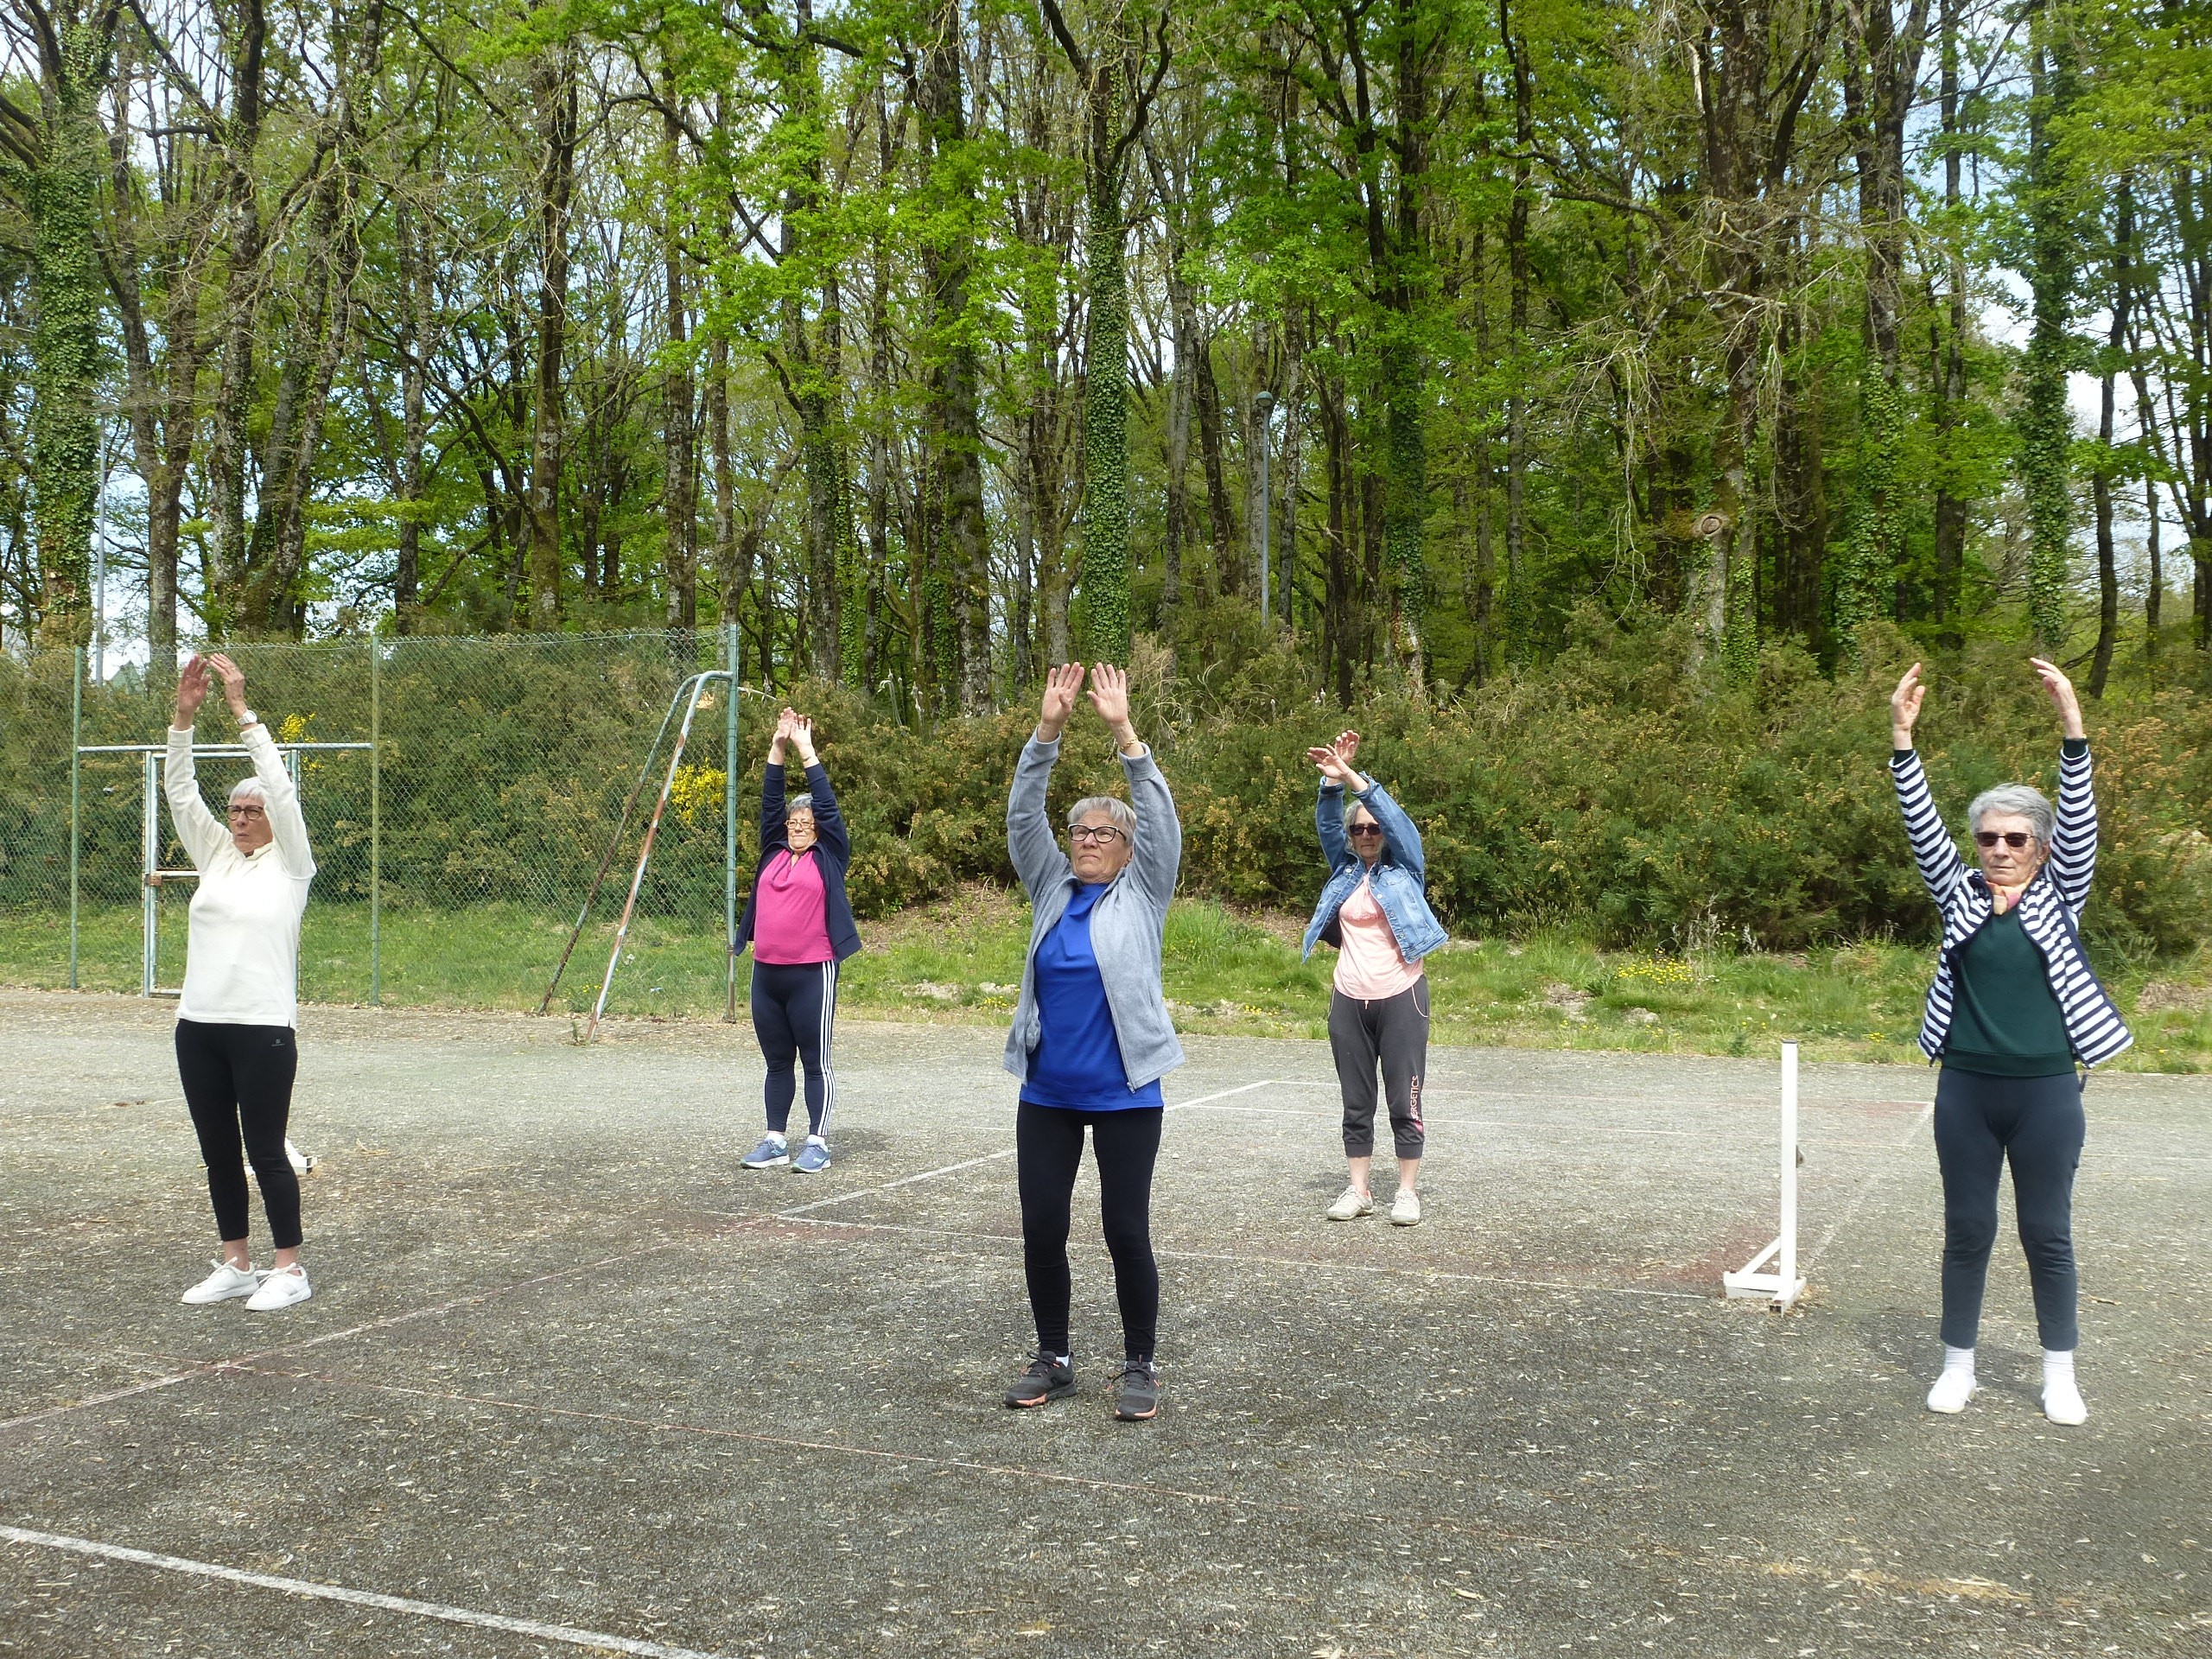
(771, 1153)
(813, 1158)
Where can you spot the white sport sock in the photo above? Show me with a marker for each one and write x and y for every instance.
(2057, 1366)
(1961, 1359)
(777, 1136)
(816, 1141)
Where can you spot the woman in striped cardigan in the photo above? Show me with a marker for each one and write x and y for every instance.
(2013, 1009)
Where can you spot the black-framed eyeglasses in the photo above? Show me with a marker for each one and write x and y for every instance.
(2015, 839)
(238, 810)
(1095, 835)
(1365, 830)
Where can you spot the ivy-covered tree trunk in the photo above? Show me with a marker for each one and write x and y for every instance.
(1103, 583)
(67, 283)
(2046, 424)
(1114, 111)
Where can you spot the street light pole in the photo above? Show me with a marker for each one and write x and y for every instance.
(1263, 405)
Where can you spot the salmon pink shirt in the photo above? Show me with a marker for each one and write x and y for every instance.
(1369, 967)
(789, 924)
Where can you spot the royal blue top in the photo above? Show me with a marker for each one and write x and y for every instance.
(1078, 1062)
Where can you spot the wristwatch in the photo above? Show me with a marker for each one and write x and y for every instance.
(247, 717)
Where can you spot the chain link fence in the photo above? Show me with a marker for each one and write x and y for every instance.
(452, 856)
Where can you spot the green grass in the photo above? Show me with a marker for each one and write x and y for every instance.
(958, 960)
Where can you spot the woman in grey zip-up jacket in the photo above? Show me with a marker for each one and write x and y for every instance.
(1091, 1038)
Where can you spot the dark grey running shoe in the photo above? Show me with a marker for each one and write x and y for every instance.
(1137, 1392)
(1045, 1380)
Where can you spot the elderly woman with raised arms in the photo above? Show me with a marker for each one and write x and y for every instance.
(1373, 908)
(2013, 1009)
(800, 926)
(1091, 1038)
(235, 1052)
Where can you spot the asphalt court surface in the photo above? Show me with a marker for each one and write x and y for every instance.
(572, 1381)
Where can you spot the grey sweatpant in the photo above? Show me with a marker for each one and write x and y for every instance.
(1393, 1033)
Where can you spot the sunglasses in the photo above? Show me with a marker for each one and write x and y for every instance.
(1365, 830)
(2015, 839)
(1095, 835)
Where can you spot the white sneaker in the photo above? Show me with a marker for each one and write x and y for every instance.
(2062, 1401)
(1351, 1204)
(222, 1285)
(1405, 1209)
(280, 1288)
(1953, 1389)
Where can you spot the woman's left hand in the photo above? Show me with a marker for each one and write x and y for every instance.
(2056, 682)
(803, 736)
(233, 679)
(1109, 695)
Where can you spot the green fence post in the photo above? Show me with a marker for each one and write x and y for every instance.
(729, 825)
(76, 761)
(376, 820)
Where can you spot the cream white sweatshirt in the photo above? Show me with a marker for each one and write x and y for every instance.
(242, 957)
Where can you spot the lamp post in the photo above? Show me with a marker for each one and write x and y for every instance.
(1263, 406)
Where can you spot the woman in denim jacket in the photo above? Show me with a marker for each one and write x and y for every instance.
(1375, 909)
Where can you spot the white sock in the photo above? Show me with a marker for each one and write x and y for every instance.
(1958, 1359)
(777, 1135)
(2057, 1366)
(816, 1141)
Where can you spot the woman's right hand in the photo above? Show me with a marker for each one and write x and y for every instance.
(787, 725)
(1335, 760)
(1060, 687)
(1904, 707)
(192, 685)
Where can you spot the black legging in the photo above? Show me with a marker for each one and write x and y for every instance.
(794, 1017)
(1048, 1150)
(2036, 1123)
(238, 1086)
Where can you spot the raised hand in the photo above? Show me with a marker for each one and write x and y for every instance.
(803, 735)
(1905, 706)
(1060, 687)
(1109, 694)
(786, 723)
(233, 679)
(2061, 693)
(193, 684)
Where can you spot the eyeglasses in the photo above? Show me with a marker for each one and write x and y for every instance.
(2015, 839)
(238, 811)
(1364, 830)
(1095, 835)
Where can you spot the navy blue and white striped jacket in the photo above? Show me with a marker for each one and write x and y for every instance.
(2050, 908)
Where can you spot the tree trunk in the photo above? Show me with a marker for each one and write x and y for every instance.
(1519, 613)
(948, 257)
(77, 61)
(679, 508)
(242, 243)
(2046, 424)
(1950, 506)
(556, 105)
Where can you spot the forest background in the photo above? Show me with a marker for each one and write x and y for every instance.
(1597, 401)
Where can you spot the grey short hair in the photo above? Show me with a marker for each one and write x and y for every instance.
(1125, 819)
(251, 789)
(801, 803)
(2016, 800)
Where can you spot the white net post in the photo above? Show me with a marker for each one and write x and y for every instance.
(1779, 1285)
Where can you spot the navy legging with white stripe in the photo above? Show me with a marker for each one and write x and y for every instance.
(794, 1012)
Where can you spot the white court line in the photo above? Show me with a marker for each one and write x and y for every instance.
(1520, 1123)
(1867, 1187)
(805, 1210)
(1382, 1268)
(208, 1368)
(565, 1634)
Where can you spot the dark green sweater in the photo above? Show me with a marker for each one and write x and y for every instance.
(2006, 1023)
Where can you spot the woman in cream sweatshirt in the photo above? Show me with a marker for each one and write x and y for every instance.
(235, 1052)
